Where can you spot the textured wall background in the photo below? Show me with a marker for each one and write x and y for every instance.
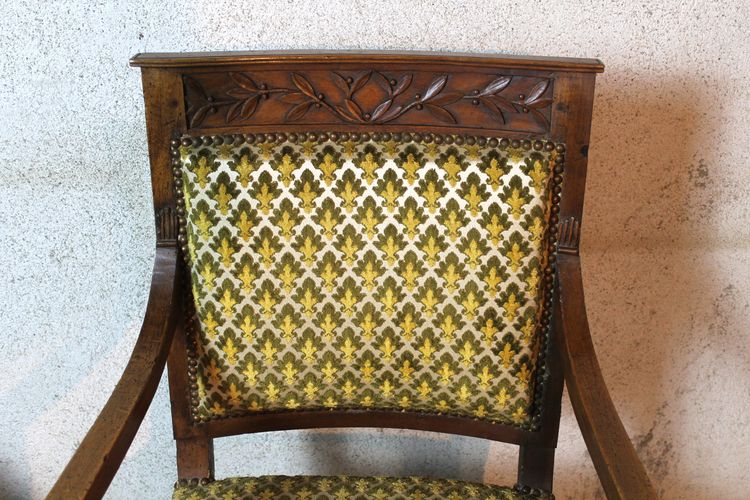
(666, 244)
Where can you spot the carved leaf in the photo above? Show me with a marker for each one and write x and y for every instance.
(493, 108)
(233, 112)
(361, 81)
(244, 81)
(353, 108)
(441, 114)
(298, 111)
(539, 103)
(539, 117)
(382, 108)
(537, 91)
(346, 114)
(248, 108)
(303, 85)
(341, 82)
(402, 85)
(447, 98)
(435, 87)
(496, 85)
(504, 104)
(385, 79)
(199, 115)
(392, 114)
(195, 87)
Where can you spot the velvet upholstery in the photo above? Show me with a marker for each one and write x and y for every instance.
(380, 275)
(348, 487)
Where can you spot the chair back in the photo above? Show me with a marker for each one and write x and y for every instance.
(369, 238)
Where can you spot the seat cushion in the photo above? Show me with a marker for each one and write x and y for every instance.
(368, 274)
(348, 487)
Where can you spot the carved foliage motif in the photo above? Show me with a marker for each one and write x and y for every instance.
(369, 97)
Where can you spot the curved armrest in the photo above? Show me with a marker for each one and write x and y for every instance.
(97, 459)
(620, 470)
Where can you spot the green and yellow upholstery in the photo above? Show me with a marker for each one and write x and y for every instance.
(348, 487)
(376, 275)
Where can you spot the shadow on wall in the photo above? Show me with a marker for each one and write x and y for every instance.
(650, 218)
(11, 488)
(356, 452)
(416, 453)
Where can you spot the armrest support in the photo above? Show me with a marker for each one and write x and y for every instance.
(99, 455)
(620, 470)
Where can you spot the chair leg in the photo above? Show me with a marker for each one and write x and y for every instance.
(195, 458)
(535, 467)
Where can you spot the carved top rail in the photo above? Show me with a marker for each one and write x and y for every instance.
(368, 97)
(404, 90)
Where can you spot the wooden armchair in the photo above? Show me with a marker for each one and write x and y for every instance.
(365, 240)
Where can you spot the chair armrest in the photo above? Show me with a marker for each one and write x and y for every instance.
(620, 470)
(97, 459)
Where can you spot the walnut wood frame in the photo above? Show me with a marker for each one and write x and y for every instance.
(356, 92)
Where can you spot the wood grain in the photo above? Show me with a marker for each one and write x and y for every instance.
(373, 96)
(277, 421)
(213, 59)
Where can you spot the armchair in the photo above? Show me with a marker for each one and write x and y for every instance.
(365, 240)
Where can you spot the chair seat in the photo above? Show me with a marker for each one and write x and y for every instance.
(348, 487)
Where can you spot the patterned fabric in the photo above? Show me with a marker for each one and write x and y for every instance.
(347, 487)
(376, 275)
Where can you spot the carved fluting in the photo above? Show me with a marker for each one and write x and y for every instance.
(569, 234)
(369, 97)
(167, 227)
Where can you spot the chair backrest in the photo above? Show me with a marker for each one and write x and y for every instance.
(369, 238)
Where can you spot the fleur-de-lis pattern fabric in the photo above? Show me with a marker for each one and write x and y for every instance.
(379, 275)
(349, 487)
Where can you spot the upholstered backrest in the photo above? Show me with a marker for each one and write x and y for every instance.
(370, 240)
(358, 271)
